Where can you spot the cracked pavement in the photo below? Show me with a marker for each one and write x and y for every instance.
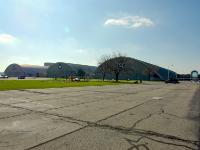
(151, 116)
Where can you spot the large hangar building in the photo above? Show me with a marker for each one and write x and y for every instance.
(61, 69)
(15, 70)
(140, 70)
(52, 70)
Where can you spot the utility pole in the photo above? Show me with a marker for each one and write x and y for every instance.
(169, 71)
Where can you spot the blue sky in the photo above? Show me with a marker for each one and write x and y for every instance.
(162, 32)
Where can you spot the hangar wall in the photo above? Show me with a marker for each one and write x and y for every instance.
(15, 70)
(140, 70)
(59, 69)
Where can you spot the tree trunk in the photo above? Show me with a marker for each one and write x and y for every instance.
(104, 76)
(117, 77)
(149, 76)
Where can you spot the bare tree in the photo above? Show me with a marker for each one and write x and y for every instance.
(115, 64)
(103, 65)
(119, 64)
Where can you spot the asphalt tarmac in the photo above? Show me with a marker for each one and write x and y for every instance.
(148, 116)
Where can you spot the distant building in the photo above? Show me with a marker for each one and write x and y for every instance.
(15, 70)
(194, 75)
(141, 71)
(61, 69)
(48, 64)
(184, 77)
(58, 69)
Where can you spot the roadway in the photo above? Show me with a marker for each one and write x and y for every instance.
(150, 116)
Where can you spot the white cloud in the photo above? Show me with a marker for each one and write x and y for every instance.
(130, 22)
(122, 22)
(7, 39)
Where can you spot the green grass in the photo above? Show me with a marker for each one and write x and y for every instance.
(41, 84)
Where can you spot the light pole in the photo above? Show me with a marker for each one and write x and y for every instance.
(168, 74)
(169, 71)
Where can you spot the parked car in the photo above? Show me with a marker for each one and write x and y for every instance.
(21, 77)
(3, 76)
(76, 79)
(175, 81)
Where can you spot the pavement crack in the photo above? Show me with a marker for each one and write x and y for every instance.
(147, 117)
(136, 146)
(71, 105)
(149, 134)
(169, 143)
(140, 120)
(174, 115)
(141, 104)
(15, 115)
(28, 91)
(69, 121)
(135, 143)
(55, 138)
(124, 93)
(170, 137)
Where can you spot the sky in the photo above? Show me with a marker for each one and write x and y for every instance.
(162, 32)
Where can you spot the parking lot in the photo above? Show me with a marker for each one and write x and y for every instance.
(150, 116)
